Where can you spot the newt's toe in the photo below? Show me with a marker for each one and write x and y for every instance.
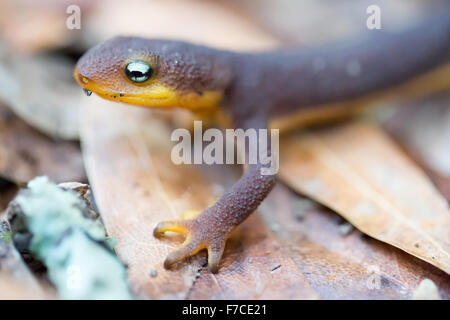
(215, 253)
(187, 250)
(173, 226)
(198, 237)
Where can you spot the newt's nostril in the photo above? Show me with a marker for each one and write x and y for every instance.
(82, 78)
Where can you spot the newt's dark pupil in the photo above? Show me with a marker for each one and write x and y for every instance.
(138, 71)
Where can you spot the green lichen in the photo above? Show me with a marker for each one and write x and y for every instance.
(6, 236)
(74, 249)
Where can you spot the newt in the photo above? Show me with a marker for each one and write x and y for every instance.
(256, 89)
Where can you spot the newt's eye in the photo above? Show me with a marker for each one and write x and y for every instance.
(138, 71)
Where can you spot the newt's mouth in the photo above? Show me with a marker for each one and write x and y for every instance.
(153, 95)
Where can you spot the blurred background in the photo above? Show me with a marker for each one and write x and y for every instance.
(38, 51)
(41, 104)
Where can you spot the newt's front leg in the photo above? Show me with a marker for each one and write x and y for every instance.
(212, 227)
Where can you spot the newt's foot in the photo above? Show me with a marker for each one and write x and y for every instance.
(199, 235)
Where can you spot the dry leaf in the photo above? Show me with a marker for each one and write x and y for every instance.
(253, 267)
(136, 185)
(26, 153)
(360, 173)
(51, 99)
(352, 266)
(423, 129)
(128, 184)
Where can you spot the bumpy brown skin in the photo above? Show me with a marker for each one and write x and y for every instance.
(180, 65)
(259, 86)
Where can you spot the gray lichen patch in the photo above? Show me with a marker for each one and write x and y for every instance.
(74, 248)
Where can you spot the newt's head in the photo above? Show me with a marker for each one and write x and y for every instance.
(154, 73)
